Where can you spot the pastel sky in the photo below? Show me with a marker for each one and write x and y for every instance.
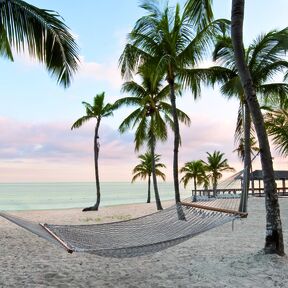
(36, 143)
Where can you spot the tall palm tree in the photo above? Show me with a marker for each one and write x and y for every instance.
(215, 165)
(196, 171)
(144, 170)
(274, 235)
(265, 58)
(41, 32)
(151, 115)
(97, 111)
(164, 41)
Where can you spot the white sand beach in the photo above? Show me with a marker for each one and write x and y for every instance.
(217, 258)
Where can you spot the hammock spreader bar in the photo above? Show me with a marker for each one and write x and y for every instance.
(217, 209)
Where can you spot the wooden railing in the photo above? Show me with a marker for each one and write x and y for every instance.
(282, 191)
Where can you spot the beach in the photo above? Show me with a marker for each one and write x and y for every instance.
(217, 258)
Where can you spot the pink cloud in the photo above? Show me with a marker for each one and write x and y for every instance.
(52, 152)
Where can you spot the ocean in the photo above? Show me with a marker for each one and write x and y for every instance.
(61, 195)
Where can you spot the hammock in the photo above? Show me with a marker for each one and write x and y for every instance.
(139, 236)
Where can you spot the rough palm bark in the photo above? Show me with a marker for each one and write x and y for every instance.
(274, 236)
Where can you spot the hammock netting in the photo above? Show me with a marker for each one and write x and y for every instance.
(139, 236)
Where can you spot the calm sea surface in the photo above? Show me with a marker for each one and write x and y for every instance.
(37, 196)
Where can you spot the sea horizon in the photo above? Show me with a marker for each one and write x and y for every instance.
(78, 194)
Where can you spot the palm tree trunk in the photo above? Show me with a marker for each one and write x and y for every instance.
(180, 212)
(195, 186)
(274, 236)
(214, 186)
(96, 155)
(157, 197)
(149, 189)
(247, 158)
(176, 140)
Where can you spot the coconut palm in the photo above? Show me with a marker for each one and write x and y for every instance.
(144, 170)
(196, 171)
(215, 165)
(42, 33)
(169, 43)
(265, 59)
(97, 111)
(274, 235)
(151, 115)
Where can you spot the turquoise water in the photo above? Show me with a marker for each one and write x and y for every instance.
(37, 196)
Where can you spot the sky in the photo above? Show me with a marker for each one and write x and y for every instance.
(36, 114)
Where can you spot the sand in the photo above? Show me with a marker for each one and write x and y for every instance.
(217, 258)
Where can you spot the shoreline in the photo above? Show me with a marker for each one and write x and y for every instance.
(104, 214)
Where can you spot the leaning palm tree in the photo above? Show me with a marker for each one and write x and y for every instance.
(196, 171)
(215, 165)
(144, 170)
(265, 58)
(42, 33)
(97, 111)
(151, 116)
(274, 235)
(164, 42)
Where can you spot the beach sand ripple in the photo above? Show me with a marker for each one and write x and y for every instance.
(217, 258)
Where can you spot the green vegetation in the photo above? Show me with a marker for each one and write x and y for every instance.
(144, 170)
(204, 173)
(41, 32)
(150, 117)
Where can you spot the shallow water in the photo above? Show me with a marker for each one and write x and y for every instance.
(34, 196)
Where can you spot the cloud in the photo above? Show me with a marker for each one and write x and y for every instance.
(107, 72)
(50, 147)
(52, 152)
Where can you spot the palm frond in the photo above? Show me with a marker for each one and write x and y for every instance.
(5, 49)
(43, 34)
(199, 12)
(78, 123)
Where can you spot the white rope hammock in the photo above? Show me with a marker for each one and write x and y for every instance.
(139, 236)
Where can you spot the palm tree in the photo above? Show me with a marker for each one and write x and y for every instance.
(196, 171)
(265, 59)
(240, 150)
(276, 122)
(151, 115)
(274, 235)
(215, 165)
(144, 170)
(97, 110)
(164, 42)
(41, 32)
